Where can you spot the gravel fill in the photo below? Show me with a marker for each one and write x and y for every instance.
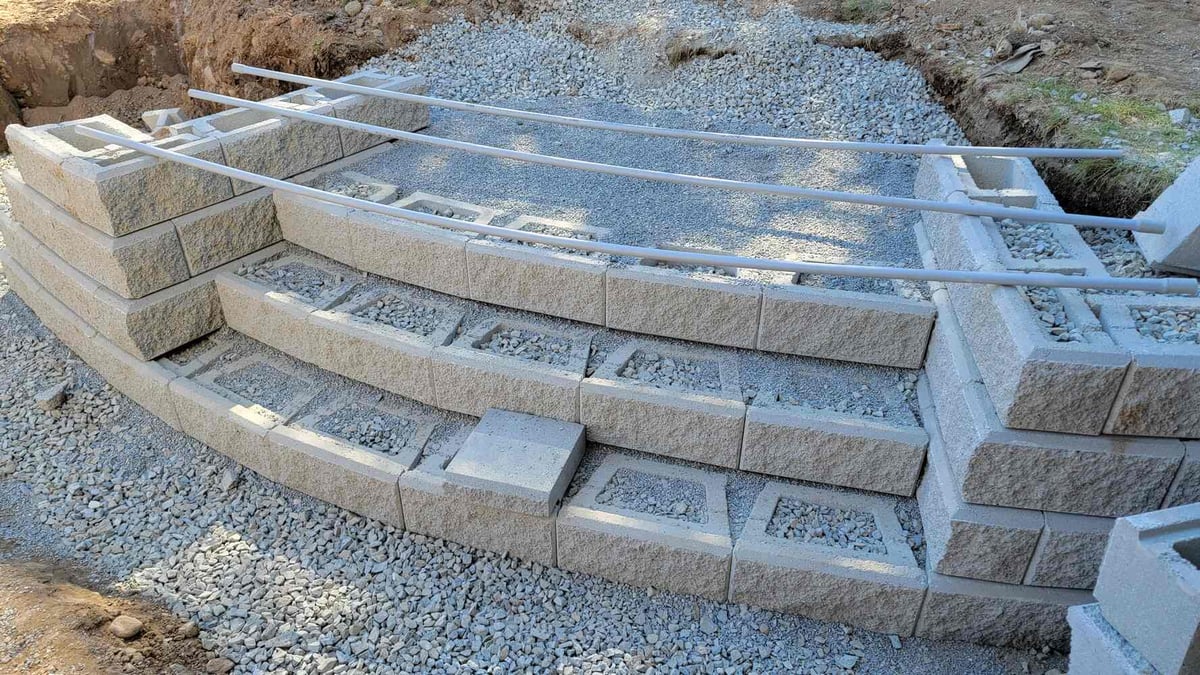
(656, 370)
(870, 391)
(1118, 252)
(402, 313)
(303, 280)
(369, 427)
(442, 210)
(1052, 315)
(1168, 325)
(697, 269)
(1031, 241)
(341, 185)
(528, 345)
(263, 384)
(6, 163)
(543, 228)
(664, 496)
(826, 526)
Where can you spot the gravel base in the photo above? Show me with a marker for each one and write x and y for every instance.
(6, 163)
(263, 384)
(1031, 241)
(656, 370)
(402, 313)
(369, 427)
(305, 281)
(1118, 252)
(781, 382)
(1168, 325)
(663, 496)
(1052, 315)
(528, 345)
(826, 526)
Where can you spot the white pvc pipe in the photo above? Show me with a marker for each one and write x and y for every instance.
(709, 136)
(971, 209)
(1169, 285)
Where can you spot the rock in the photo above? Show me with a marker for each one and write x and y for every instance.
(352, 8)
(10, 113)
(125, 627)
(52, 398)
(1180, 117)
(1004, 49)
(189, 630)
(218, 666)
(229, 479)
(895, 641)
(1040, 21)
(847, 661)
(1118, 72)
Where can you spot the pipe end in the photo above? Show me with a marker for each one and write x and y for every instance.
(1182, 286)
(1149, 226)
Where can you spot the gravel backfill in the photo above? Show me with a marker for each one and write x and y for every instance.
(675, 372)
(305, 281)
(369, 427)
(528, 345)
(402, 313)
(826, 526)
(1168, 325)
(1052, 315)
(664, 496)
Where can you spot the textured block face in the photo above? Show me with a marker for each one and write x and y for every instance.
(131, 266)
(378, 111)
(838, 325)
(1186, 488)
(1069, 554)
(1178, 247)
(998, 614)
(317, 226)
(605, 530)
(1149, 586)
(388, 361)
(536, 280)
(471, 383)
(833, 449)
(235, 431)
(269, 317)
(522, 461)
(667, 303)
(878, 588)
(417, 254)
(1098, 649)
(223, 232)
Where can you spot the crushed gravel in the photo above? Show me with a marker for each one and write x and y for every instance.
(263, 384)
(303, 280)
(868, 391)
(403, 313)
(664, 496)
(1031, 241)
(826, 526)
(543, 228)
(6, 163)
(1172, 325)
(443, 210)
(1050, 313)
(528, 345)
(369, 427)
(674, 372)
(1119, 253)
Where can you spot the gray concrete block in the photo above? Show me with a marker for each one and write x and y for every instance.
(602, 537)
(318, 226)
(524, 462)
(825, 447)
(226, 231)
(665, 302)
(417, 254)
(131, 266)
(1098, 649)
(968, 610)
(1160, 395)
(1179, 247)
(845, 326)
(1186, 487)
(381, 112)
(273, 318)
(879, 591)
(1070, 551)
(236, 431)
(537, 280)
(1149, 586)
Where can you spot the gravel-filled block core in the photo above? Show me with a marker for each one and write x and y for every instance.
(1052, 315)
(303, 280)
(657, 370)
(664, 496)
(826, 526)
(265, 385)
(443, 210)
(528, 345)
(369, 427)
(401, 313)
(1167, 325)
(1031, 241)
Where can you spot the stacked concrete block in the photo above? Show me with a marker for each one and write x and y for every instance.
(1186, 488)
(701, 426)
(1177, 249)
(970, 610)
(1149, 586)
(381, 112)
(1161, 392)
(501, 491)
(1098, 649)
(880, 589)
(677, 550)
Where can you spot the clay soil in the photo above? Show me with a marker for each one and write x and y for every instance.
(53, 620)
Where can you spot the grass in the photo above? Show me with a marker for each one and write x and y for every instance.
(860, 11)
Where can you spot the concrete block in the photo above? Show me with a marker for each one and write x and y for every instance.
(318, 226)
(1070, 551)
(538, 278)
(381, 112)
(309, 279)
(267, 144)
(994, 465)
(697, 426)
(1179, 247)
(357, 480)
(1186, 487)
(879, 591)
(470, 380)
(131, 266)
(523, 462)
(825, 447)
(667, 302)
(1149, 586)
(967, 540)
(607, 537)
(236, 431)
(425, 202)
(985, 612)
(1160, 395)
(417, 254)
(846, 326)
(270, 385)
(409, 428)
(271, 317)
(1098, 649)
(217, 234)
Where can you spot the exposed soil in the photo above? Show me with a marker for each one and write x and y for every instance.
(52, 620)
